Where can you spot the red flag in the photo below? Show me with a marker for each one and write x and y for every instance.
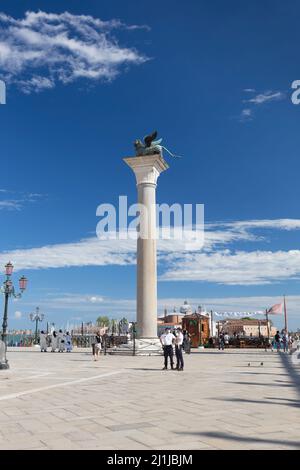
(275, 310)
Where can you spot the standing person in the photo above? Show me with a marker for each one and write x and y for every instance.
(226, 339)
(290, 343)
(186, 342)
(61, 341)
(285, 341)
(97, 346)
(54, 341)
(277, 340)
(268, 344)
(68, 339)
(273, 344)
(43, 341)
(167, 340)
(178, 349)
(221, 342)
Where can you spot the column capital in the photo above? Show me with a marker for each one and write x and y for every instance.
(148, 168)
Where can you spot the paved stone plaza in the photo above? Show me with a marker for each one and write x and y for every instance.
(67, 401)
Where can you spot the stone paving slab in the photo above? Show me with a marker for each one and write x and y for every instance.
(68, 401)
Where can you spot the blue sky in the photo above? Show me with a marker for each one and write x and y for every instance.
(215, 80)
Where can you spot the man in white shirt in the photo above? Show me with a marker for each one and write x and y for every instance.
(178, 349)
(226, 339)
(167, 340)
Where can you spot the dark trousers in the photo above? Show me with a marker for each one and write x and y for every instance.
(179, 356)
(168, 352)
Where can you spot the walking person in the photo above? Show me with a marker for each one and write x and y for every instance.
(178, 349)
(61, 341)
(167, 340)
(43, 341)
(277, 341)
(54, 341)
(221, 342)
(97, 346)
(68, 340)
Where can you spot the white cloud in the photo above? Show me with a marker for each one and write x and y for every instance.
(87, 252)
(18, 315)
(10, 204)
(247, 114)
(213, 263)
(35, 84)
(236, 268)
(17, 200)
(245, 225)
(41, 49)
(96, 299)
(266, 97)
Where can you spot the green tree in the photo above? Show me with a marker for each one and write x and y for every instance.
(123, 326)
(103, 321)
(114, 326)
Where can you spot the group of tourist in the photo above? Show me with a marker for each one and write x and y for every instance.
(223, 341)
(57, 341)
(181, 340)
(282, 341)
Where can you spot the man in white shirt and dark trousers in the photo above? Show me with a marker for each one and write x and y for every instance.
(167, 340)
(178, 349)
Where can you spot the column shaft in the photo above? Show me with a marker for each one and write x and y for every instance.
(146, 264)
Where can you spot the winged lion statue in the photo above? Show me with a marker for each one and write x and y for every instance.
(151, 146)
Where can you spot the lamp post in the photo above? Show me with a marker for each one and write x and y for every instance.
(8, 290)
(37, 316)
(134, 337)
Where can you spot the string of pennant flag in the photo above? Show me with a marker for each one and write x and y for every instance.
(238, 314)
(277, 309)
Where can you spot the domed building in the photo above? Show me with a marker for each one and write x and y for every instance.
(197, 323)
(186, 309)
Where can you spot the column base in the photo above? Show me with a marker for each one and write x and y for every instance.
(142, 347)
(4, 365)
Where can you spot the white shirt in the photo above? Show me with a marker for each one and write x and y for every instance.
(167, 339)
(179, 339)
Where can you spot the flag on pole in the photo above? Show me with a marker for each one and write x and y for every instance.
(275, 310)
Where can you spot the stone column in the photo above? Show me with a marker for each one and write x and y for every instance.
(147, 170)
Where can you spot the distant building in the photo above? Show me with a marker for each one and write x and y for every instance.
(172, 321)
(198, 324)
(247, 327)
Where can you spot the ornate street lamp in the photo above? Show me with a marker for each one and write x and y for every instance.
(8, 290)
(37, 316)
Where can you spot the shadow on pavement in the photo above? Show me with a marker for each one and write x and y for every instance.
(234, 437)
(147, 368)
(263, 402)
(293, 372)
(263, 373)
(263, 384)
